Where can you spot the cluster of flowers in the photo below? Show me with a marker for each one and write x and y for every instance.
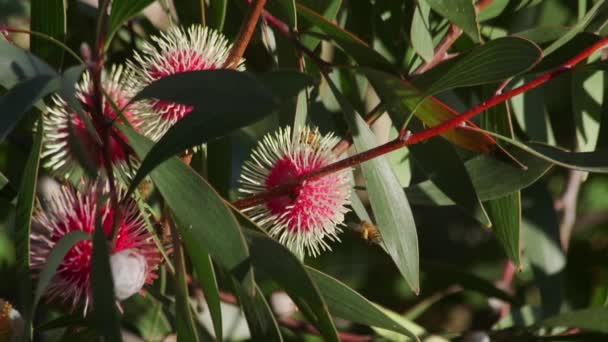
(303, 220)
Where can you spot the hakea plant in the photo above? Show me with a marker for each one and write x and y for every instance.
(134, 256)
(175, 51)
(59, 152)
(310, 214)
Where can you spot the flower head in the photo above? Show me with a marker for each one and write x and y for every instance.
(175, 51)
(59, 148)
(11, 323)
(70, 211)
(315, 209)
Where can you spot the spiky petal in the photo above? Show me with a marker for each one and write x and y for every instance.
(59, 151)
(70, 211)
(312, 213)
(174, 51)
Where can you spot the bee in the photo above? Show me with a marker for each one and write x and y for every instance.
(370, 233)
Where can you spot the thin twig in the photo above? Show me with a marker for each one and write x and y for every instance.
(567, 204)
(245, 34)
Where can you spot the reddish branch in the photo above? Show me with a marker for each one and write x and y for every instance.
(245, 34)
(458, 122)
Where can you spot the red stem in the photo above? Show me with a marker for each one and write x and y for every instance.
(456, 122)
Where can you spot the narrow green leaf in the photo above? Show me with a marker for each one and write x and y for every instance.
(218, 109)
(440, 161)
(390, 206)
(260, 319)
(422, 41)
(326, 9)
(484, 171)
(494, 61)
(23, 225)
(285, 10)
(48, 17)
(576, 29)
(461, 13)
(208, 281)
(55, 259)
(402, 99)
(346, 303)
(20, 98)
(186, 330)
(505, 212)
(3, 181)
(276, 261)
(592, 319)
(216, 14)
(211, 225)
(123, 10)
(105, 313)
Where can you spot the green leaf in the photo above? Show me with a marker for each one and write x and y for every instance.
(422, 41)
(346, 303)
(284, 10)
(277, 262)
(186, 330)
(326, 9)
(23, 224)
(55, 258)
(218, 108)
(105, 314)
(484, 171)
(440, 161)
(3, 181)
(576, 29)
(190, 12)
(18, 65)
(592, 319)
(260, 319)
(390, 206)
(494, 61)
(461, 13)
(216, 14)
(354, 47)
(20, 98)
(48, 17)
(206, 276)
(211, 225)
(402, 98)
(123, 10)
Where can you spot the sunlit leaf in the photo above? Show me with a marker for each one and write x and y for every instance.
(460, 12)
(592, 319)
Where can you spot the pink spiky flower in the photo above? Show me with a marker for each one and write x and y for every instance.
(314, 211)
(69, 210)
(59, 151)
(174, 51)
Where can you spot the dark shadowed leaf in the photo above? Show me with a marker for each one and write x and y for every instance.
(48, 17)
(123, 10)
(346, 303)
(390, 206)
(460, 12)
(285, 10)
(260, 319)
(494, 61)
(190, 12)
(23, 223)
(592, 319)
(3, 181)
(223, 101)
(208, 281)
(484, 171)
(441, 163)
(278, 263)
(327, 9)
(105, 313)
(203, 218)
(19, 99)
